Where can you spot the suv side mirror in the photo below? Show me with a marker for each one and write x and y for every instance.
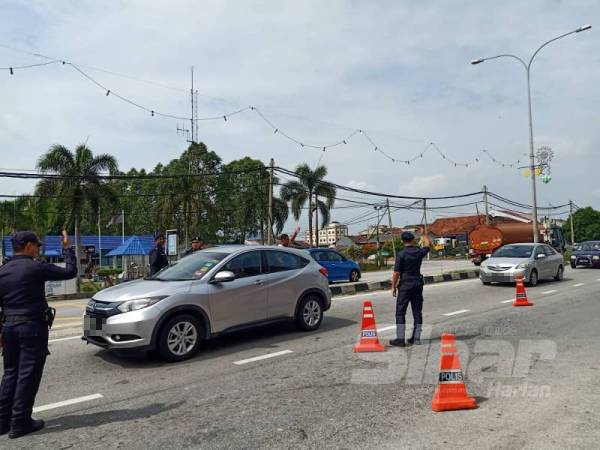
(223, 277)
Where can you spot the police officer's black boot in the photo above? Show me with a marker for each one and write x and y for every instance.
(20, 428)
(398, 343)
(414, 341)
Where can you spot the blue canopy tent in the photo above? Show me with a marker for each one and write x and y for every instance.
(132, 247)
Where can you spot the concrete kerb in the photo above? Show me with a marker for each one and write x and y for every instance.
(357, 288)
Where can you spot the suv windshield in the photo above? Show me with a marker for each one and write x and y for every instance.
(192, 267)
(514, 251)
(588, 246)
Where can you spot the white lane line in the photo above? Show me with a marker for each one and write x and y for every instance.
(259, 358)
(508, 301)
(453, 313)
(550, 292)
(381, 330)
(65, 339)
(72, 401)
(578, 284)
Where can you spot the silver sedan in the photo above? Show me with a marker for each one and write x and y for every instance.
(533, 262)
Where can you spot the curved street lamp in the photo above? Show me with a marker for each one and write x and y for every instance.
(527, 67)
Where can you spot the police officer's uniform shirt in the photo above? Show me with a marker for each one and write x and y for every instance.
(158, 259)
(22, 283)
(408, 264)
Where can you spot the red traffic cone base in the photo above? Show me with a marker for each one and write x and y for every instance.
(369, 340)
(451, 392)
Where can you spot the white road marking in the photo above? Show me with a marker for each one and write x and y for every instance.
(259, 358)
(550, 292)
(578, 284)
(72, 401)
(508, 301)
(381, 330)
(453, 313)
(65, 339)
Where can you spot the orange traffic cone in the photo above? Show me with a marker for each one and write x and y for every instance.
(448, 343)
(451, 392)
(521, 299)
(369, 341)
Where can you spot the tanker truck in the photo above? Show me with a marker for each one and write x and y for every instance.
(485, 239)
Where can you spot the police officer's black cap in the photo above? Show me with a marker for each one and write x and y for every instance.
(22, 238)
(407, 236)
(196, 239)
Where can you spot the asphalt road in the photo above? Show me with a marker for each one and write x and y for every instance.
(534, 372)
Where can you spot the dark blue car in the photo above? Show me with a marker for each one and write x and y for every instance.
(586, 254)
(338, 266)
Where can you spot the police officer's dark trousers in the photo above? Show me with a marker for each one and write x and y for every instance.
(409, 294)
(25, 348)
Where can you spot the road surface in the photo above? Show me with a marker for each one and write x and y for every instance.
(534, 373)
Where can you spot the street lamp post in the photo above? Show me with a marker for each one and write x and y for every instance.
(527, 67)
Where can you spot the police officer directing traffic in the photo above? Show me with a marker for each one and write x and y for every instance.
(158, 257)
(407, 284)
(26, 319)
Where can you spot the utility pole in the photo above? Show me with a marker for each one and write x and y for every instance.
(194, 119)
(270, 214)
(485, 201)
(377, 208)
(122, 226)
(387, 203)
(425, 224)
(316, 210)
(571, 220)
(99, 239)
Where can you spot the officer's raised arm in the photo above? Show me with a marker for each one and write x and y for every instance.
(51, 272)
(425, 244)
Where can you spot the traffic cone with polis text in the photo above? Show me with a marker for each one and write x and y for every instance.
(451, 392)
(369, 340)
(521, 297)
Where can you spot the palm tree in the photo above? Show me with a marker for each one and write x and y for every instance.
(309, 186)
(79, 185)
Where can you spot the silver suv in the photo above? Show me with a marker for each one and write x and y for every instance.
(206, 294)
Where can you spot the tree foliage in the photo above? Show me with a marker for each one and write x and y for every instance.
(220, 203)
(586, 224)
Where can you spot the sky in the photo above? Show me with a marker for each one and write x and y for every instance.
(319, 71)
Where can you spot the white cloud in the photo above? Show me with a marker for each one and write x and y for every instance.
(424, 185)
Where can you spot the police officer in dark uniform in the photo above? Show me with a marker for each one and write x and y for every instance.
(158, 257)
(407, 283)
(26, 319)
(197, 244)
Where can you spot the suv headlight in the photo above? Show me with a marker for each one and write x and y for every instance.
(523, 266)
(139, 303)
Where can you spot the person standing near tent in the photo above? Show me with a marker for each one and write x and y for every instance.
(158, 257)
